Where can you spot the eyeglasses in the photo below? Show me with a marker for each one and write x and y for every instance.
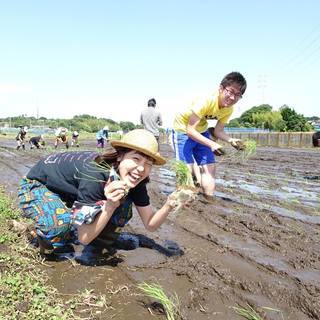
(231, 93)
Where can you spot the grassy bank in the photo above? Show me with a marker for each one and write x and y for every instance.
(24, 293)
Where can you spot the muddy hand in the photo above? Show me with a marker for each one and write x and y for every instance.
(172, 201)
(216, 148)
(219, 152)
(237, 144)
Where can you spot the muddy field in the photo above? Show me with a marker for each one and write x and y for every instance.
(259, 244)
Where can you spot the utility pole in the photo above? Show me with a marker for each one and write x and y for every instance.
(37, 104)
(262, 85)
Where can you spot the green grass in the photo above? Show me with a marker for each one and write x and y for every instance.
(24, 290)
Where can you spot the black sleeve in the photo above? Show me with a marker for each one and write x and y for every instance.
(139, 195)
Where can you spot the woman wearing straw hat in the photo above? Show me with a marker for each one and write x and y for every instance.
(81, 195)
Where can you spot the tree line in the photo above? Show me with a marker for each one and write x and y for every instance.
(262, 116)
(83, 122)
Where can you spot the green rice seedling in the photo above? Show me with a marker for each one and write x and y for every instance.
(183, 174)
(171, 305)
(242, 154)
(250, 149)
(186, 190)
(94, 167)
(274, 310)
(248, 313)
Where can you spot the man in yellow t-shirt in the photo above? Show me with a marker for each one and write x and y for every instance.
(191, 139)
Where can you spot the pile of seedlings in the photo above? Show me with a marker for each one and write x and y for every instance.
(186, 190)
(243, 150)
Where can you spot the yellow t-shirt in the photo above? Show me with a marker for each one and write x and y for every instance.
(208, 109)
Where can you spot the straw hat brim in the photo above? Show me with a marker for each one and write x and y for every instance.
(158, 160)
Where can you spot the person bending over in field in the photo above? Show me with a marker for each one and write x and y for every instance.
(61, 137)
(37, 142)
(85, 196)
(191, 139)
(21, 138)
(75, 139)
(102, 136)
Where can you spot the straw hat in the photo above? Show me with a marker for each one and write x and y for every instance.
(142, 141)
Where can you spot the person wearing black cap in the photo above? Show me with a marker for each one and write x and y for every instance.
(151, 118)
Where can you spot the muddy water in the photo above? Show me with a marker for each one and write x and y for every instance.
(258, 244)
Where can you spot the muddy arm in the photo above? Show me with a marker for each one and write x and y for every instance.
(152, 221)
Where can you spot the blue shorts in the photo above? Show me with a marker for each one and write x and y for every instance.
(188, 150)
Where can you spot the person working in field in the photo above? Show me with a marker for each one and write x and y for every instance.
(21, 138)
(37, 142)
(61, 137)
(191, 139)
(75, 139)
(87, 197)
(102, 136)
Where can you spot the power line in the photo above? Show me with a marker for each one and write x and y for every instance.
(307, 48)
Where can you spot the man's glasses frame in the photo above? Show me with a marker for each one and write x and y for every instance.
(231, 93)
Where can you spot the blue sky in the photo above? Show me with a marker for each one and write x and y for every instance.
(107, 58)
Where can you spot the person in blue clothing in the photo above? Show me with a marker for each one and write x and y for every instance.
(76, 197)
(102, 136)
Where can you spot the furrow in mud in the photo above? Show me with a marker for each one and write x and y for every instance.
(257, 244)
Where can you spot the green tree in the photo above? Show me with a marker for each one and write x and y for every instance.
(293, 120)
(234, 123)
(246, 117)
(271, 120)
(127, 125)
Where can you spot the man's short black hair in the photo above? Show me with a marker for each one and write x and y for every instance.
(234, 78)
(152, 102)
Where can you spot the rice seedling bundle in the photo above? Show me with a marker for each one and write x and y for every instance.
(186, 190)
(244, 151)
(171, 305)
(248, 313)
(250, 149)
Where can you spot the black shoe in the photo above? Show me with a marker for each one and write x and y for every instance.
(45, 246)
